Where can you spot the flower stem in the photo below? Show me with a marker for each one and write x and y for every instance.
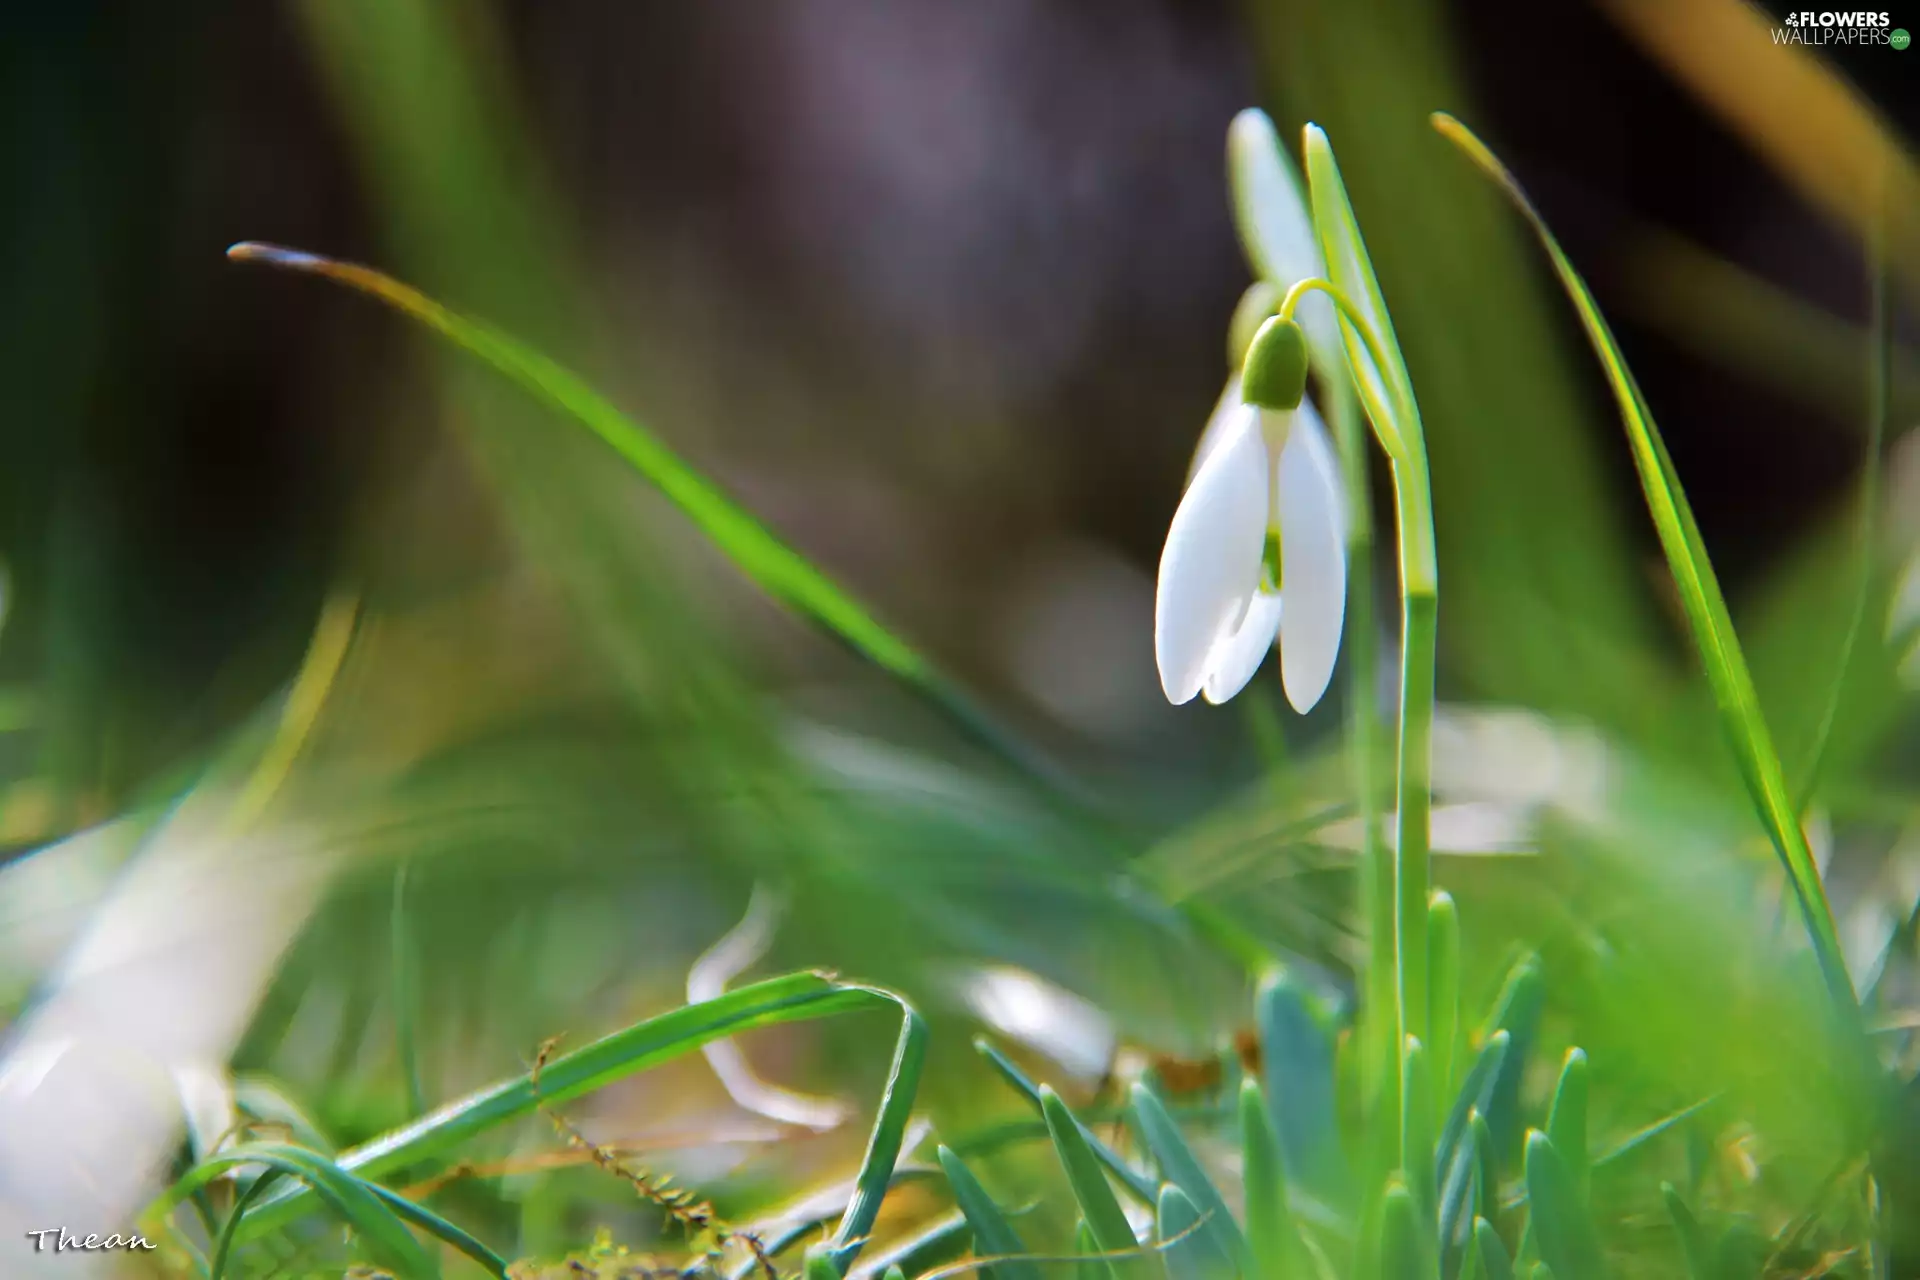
(1396, 422)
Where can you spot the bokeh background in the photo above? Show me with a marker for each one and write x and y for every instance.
(941, 293)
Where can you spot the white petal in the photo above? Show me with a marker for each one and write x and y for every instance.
(1313, 559)
(1270, 202)
(1236, 657)
(1211, 565)
(1216, 430)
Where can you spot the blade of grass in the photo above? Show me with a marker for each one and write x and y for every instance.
(992, 1233)
(386, 1237)
(1700, 594)
(1164, 1142)
(1567, 1120)
(1189, 1250)
(1104, 1217)
(1561, 1226)
(1273, 1238)
(1494, 1262)
(795, 997)
(773, 566)
(1141, 1187)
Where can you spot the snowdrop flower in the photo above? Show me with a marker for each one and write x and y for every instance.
(1257, 551)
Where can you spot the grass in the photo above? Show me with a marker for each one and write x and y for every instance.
(1577, 1063)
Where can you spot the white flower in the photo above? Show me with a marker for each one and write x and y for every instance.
(1256, 553)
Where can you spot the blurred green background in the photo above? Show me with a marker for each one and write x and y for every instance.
(940, 293)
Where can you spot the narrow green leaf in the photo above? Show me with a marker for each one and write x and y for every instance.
(1700, 595)
(1196, 1253)
(1561, 1228)
(1298, 1063)
(1403, 1241)
(1443, 970)
(1162, 1138)
(1272, 1235)
(795, 997)
(1694, 1246)
(1084, 1244)
(1486, 1174)
(1142, 1188)
(1104, 1217)
(433, 1224)
(1465, 1144)
(1494, 1262)
(1417, 1153)
(889, 1131)
(1567, 1120)
(1383, 391)
(385, 1236)
(783, 573)
(993, 1235)
(1517, 1012)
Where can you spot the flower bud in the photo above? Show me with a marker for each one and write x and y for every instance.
(1275, 373)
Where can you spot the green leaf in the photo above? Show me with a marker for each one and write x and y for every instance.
(1417, 1151)
(1084, 1244)
(1494, 1262)
(1443, 991)
(1164, 1142)
(385, 1236)
(1694, 1246)
(1196, 1253)
(1140, 1187)
(1272, 1235)
(1104, 1217)
(1466, 1145)
(795, 997)
(1706, 609)
(993, 1235)
(1486, 1175)
(1561, 1227)
(783, 573)
(1403, 1242)
(1298, 1063)
(1387, 392)
(1517, 1012)
(1567, 1120)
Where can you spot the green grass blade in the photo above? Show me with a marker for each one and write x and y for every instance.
(1084, 1244)
(1443, 991)
(1161, 1136)
(1567, 1120)
(1517, 1012)
(433, 1224)
(1141, 1187)
(993, 1235)
(889, 1131)
(1273, 1238)
(795, 997)
(1465, 1146)
(1700, 595)
(1104, 1217)
(783, 573)
(1486, 1172)
(1494, 1262)
(1561, 1228)
(1417, 1148)
(1192, 1251)
(1694, 1246)
(385, 1236)
(1298, 1063)
(1403, 1244)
